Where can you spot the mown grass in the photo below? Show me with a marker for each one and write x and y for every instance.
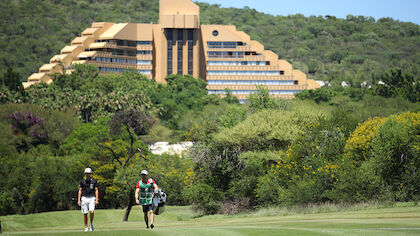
(326, 219)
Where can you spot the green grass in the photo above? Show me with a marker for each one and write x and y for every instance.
(402, 219)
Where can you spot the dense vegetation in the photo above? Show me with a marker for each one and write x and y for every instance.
(51, 132)
(298, 152)
(335, 144)
(327, 48)
(332, 144)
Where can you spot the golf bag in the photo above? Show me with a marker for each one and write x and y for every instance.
(159, 201)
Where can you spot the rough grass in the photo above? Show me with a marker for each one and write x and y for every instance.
(325, 219)
(326, 208)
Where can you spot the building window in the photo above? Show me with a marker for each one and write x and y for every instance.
(145, 72)
(190, 51)
(123, 61)
(222, 44)
(250, 82)
(130, 43)
(282, 72)
(243, 72)
(144, 62)
(215, 33)
(169, 36)
(213, 54)
(170, 57)
(126, 43)
(144, 52)
(144, 42)
(180, 56)
(271, 92)
(110, 69)
(237, 63)
(118, 52)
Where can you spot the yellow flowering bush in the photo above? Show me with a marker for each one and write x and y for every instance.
(395, 156)
(360, 141)
(358, 146)
(193, 133)
(308, 168)
(190, 177)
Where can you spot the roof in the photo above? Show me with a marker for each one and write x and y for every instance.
(97, 45)
(79, 40)
(69, 48)
(111, 32)
(36, 76)
(87, 54)
(314, 84)
(129, 31)
(48, 66)
(27, 84)
(89, 31)
(59, 57)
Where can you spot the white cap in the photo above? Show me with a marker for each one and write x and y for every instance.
(143, 172)
(88, 171)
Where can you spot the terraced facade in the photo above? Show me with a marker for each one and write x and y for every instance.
(223, 56)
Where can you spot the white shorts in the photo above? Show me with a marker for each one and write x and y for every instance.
(88, 204)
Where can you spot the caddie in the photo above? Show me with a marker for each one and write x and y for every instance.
(147, 188)
(88, 197)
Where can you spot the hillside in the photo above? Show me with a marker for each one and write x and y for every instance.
(325, 47)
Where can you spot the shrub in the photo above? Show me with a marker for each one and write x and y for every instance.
(360, 141)
(7, 204)
(33, 125)
(396, 154)
(268, 190)
(172, 173)
(318, 95)
(203, 197)
(29, 129)
(306, 191)
(261, 100)
(235, 206)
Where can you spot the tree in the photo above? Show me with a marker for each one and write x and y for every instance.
(229, 98)
(78, 78)
(133, 123)
(261, 100)
(11, 80)
(323, 94)
(395, 82)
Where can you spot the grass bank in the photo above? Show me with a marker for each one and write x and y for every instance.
(362, 219)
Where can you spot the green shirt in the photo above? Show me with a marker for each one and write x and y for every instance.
(146, 191)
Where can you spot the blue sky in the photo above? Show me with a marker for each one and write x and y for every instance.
(402, 10)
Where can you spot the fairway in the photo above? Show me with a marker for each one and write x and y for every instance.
(179, 221)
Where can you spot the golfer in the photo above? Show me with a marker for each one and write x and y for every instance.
(88, 197)
(147, 188)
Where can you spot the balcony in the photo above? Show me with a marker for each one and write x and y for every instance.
(254, 87)
(249, 77)
(245, 68)
(113, 65)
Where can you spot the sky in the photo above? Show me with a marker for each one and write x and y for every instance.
(402, 10)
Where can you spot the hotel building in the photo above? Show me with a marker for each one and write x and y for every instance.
(221, 55)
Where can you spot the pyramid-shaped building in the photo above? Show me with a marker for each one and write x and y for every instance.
(221, 55)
